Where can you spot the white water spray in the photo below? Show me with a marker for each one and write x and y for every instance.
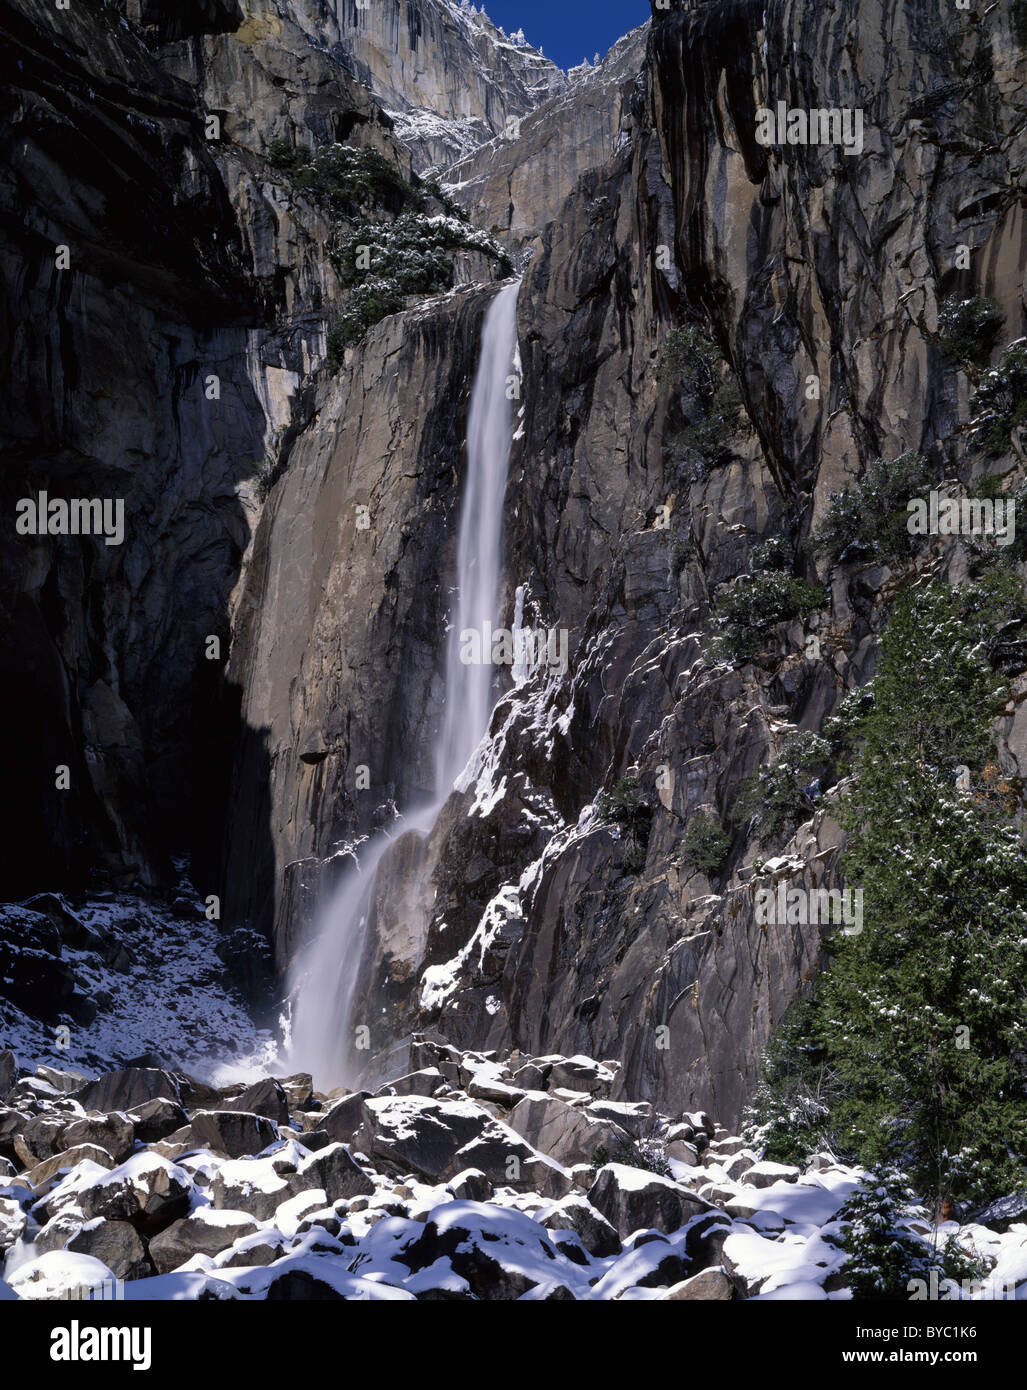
(323, 980)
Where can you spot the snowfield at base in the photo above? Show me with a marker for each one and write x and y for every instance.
(172, 997)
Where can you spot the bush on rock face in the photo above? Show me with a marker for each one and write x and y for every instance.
(381, 264)
(968, 329)
(781, 796)
(704, 843)
(707, 396)
(869, 520)
(1000, 402)
(743, 616)
(625, 805)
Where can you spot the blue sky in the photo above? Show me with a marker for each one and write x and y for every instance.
(569, 30)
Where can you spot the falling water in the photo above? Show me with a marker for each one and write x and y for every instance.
(323, 980)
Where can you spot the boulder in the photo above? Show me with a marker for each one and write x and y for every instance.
(42, 1176)
(653, 1264)
(470, 1186)
(634, 1199)
(709, 1285)
(501, 1254)
(157, 1118)
(128, 1088)
(117, 1244)
(12, 1223)
(58, 1274)
(416, 1083)
(12, 1123)
(114, 1132)
(576, 1214)
(234, 1133)
(492, 1089)
(635, 1117)
(704, 1239)
(205, 1231)
(67, 1082)
(529, 1077)
(250, 1185)
(263, 1248)
(581, 1074)
(266, 1097)
(8, 1071)
(420, 1135)
(334, 1170)
(565, 1133)
(345, 1116)
(40, 1138)
(147, 1190)
(1003, 1212)
(765, 1174)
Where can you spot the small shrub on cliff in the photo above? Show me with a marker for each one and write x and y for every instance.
(744, 614)
(869, 520)
(709, 396)
(781, 796)
(705, 843)
(968, 329)
(625, 805)
(774, 553)
(382, 263)
(263, 471)
(1000, 402)
(343, 179)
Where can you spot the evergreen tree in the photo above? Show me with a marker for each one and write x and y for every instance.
(922, 1016)
(884, 1254)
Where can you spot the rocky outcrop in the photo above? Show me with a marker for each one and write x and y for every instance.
(449, 79)
(517, 184)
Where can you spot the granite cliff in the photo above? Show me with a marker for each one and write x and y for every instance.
(531, 918)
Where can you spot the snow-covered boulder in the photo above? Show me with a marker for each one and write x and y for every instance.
(634, 1199)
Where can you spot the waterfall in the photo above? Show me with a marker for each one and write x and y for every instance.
(323, 980)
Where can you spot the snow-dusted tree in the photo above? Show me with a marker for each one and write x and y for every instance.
(518, 37)
(884, 1255)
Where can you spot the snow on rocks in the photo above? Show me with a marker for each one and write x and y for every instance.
(468, 1177)
(632, 1199)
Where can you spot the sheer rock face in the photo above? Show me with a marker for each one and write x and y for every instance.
(102, 646)
(518, 184)
(449, 78)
